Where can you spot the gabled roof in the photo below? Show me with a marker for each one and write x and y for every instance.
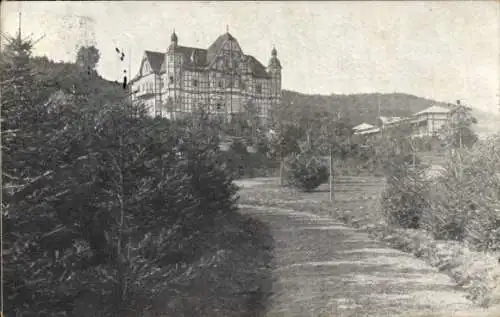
(215, 47)
(363, 126)
(193, 55)
(367, 131)
(389, 120)
(155, 60)
(257, 68)
(199, 57)
(433, 109)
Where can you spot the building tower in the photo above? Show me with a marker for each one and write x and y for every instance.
(173, 80)
(274, 70)
(173, 40)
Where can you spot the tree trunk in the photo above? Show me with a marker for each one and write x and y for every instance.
(460, 138)
(282, 166)
(413, 152)
(331, 175)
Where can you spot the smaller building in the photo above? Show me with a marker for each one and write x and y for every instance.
(430, 121)
(388, 122)
(365, 129)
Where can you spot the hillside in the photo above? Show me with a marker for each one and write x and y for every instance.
(63, 76)
(364, 107)
(359, 107)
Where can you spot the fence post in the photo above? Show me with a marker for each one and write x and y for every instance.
(331, 174)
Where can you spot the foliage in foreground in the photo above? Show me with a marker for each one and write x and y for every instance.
(461, 203)
(405, 196)
(104, 209)
(465, 198)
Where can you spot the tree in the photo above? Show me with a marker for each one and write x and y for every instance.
(100, 200)
(460, 132)
(332, 138)
(393, 147)
(87, 58)
(28, 132)
(283, 142)
(23, 111)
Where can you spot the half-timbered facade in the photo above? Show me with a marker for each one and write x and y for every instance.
(222, 80)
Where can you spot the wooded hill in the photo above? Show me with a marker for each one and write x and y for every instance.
(358, 107)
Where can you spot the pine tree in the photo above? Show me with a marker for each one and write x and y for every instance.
(106, 203)
(25, 128)
(23, 115)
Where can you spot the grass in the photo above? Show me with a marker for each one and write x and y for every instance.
(357, 204)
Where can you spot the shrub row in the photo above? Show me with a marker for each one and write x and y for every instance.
(462, 203)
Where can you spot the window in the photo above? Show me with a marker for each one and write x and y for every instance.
(220, 83)
(195, 83)
(258, 88)
(171, 79)
(219, 106)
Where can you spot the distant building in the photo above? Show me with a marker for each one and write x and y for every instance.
(220, 80)
(387, 122)
(365, 129)
(433, 121)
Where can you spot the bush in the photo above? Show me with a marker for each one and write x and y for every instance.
(461, 204)
(405, 197)
(236, 159)
(240, 163)
(465, 197)
(305, 171)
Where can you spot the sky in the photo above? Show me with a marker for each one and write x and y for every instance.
(446, 50)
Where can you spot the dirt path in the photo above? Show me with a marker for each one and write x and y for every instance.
(324, 268)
